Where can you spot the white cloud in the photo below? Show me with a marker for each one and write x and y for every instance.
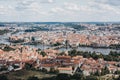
(5, 9)
(79, 8)
(57, 9)
(30, 6)
(103, 7)
(46, 1)
(109, 2)
(50, 1)
(2, 9)
(72, 6)
(23, 5)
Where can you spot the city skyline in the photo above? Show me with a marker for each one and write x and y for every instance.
(59, 10)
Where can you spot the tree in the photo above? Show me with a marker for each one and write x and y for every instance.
(43, 53)
(108, 58)
(33, 78)
(94, 55)
(3, 77)
(78, 76)
(86, 54)
(100, 56)
(52, 70)
(62, 53)
(72, 53)
(91, 78)
(66, 43)
(97, 73)
(118, 78)
(3, 68)
(117, 72)
(28, 66)
(57, 44)
(63, 76)
(8, 48)
(49, 78)
(105, 71)
(44, 70)
(33, 39)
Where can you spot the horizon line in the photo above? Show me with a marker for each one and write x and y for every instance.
(59, 21)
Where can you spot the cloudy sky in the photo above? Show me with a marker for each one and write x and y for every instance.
(59, 10)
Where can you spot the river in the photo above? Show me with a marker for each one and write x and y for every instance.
(3, 39)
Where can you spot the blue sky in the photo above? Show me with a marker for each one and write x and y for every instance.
(59, 10)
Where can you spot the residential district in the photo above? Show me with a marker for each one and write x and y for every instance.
(16, 51)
